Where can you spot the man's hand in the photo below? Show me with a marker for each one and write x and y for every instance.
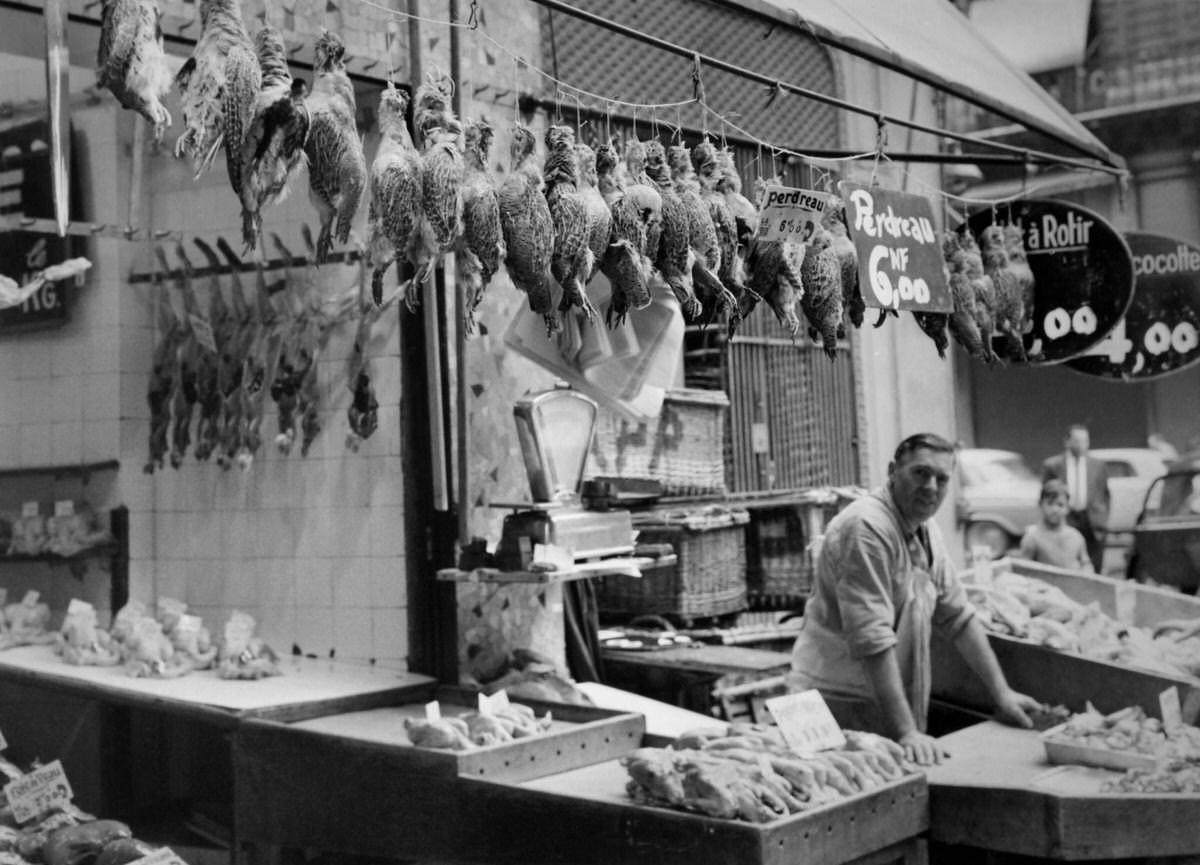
(922, 749)
(1011, 707)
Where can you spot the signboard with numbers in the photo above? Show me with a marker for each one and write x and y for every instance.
(1082, 271)
(805, 722)
(1160, 331)
(790, 214)
(899, 249)
(39, 791)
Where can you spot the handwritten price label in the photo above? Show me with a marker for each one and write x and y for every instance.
(1172, 713)
(433, 711)
(805, 722)
(41, 790)
(162, 856)
(790, 214)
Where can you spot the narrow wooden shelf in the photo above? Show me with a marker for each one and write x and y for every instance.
(65, 470)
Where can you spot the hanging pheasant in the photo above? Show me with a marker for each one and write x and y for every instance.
(1008, 307)
(337, 169)
(636, 212)
(274, 145)
(218, 85)
(702, 236)
(441, 179)
(570, 259)
(482, 242)
(394, 212)
(130, 62)
(675, 256)
(528, 230)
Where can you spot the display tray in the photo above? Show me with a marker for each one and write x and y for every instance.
(591, 803)
(1064, 751)
(577, 735)
(998, 792)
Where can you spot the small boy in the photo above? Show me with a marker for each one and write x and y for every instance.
(1053, 542)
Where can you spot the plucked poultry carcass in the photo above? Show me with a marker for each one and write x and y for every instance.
(481, 247)
(675, 256)
(208, 372)
(1009, 306)
(164, 379)
(337, 168)
(235, 337)
(441, 179)
(186, 394)
(297, 356)
(528, 230)
(309, 407)
(966, 318)
(218, 86)
(636, 211)
(449, 734)
(273, 147)
(732, 271)
(242, 653)
(130, 62)
(834, 222)
(1018, 263)
(714, 297)
(822, 298)
(570, 257)
(257, 353)
(394, 212)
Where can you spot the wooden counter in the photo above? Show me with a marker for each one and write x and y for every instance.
(998, 792)
(686, 675)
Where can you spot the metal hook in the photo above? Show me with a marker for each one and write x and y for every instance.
(473, 17)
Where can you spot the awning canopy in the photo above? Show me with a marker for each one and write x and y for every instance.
(932, 42)
(1036, 35)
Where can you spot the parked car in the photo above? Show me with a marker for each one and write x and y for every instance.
(999, 497)
(1130, 473)
(1166, 539)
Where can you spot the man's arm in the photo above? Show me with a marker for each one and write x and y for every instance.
(972, 643)
(883, 674)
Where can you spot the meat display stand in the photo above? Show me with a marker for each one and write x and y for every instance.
(1072, 680)
(352, 785)
(997, 794)
(217, 709)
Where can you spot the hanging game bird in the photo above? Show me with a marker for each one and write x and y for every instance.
(1018, 263)
(636, 212)
(274, 145)
(776, 275)
(822, 298)
(675, 256)
(441, 178)
(130, 61)
(983, 290)
(571, 259)
(702, 235)
(337, 169)
(834, 222)
(1008, 306)
(394, 210)
(599, 217)
(481, 245)
(528, 230)
(218, 85)
(732, 271)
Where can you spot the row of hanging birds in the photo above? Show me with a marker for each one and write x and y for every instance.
(651, 212)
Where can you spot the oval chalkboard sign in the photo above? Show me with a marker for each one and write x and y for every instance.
(1082, 271)
(1160, 332)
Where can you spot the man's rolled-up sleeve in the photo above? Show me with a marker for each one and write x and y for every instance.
(864, 592)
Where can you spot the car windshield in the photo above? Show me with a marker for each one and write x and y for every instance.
(997, 470)
(1174, 495)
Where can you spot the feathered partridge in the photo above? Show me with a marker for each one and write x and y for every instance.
(130, 62)
(571, 259)
(394, 209)
(528, 231)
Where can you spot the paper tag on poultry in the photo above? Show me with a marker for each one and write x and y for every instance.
(38, 792)
(162, 856)
(805, 721)
(1172, 712)
(790, 214)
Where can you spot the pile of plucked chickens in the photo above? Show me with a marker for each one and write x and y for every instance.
(747, 772)
(62, 534)
(473, 729)
(26, 623)
(64, 835)
(1035, 610)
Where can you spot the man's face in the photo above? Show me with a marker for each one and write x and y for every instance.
(1077, 442)
(919, 483)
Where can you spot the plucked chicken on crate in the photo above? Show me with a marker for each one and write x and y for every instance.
(708, 577)
(682, 448)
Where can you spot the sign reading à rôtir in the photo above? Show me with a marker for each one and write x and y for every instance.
(1160, 332)
(1082, 275)
(899, 251)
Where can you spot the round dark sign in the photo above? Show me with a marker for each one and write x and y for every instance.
(1082, 272)
(1160, 332)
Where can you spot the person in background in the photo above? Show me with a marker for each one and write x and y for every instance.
(883, 581)
(1053, 542)
(1087, 490)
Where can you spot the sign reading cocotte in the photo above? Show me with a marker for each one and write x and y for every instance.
(1082, 271)
(899, 250)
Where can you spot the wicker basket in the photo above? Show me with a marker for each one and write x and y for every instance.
(708, 578)
(683, 449)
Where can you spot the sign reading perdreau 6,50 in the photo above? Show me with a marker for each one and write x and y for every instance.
(899, 250)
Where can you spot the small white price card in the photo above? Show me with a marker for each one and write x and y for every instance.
(433, 711)
(500, 700)
(31, 598)
(805, 721)
(1126, 601)
(29, 509)
(1172, 714)
(34, 794)
(161, 856)
(790, 214)
(64, 508)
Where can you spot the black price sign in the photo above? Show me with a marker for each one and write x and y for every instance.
(1082, 271)
(899, 250)
(1160, 332)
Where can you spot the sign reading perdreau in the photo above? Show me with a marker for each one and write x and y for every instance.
(790, 214)
(899, 251)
